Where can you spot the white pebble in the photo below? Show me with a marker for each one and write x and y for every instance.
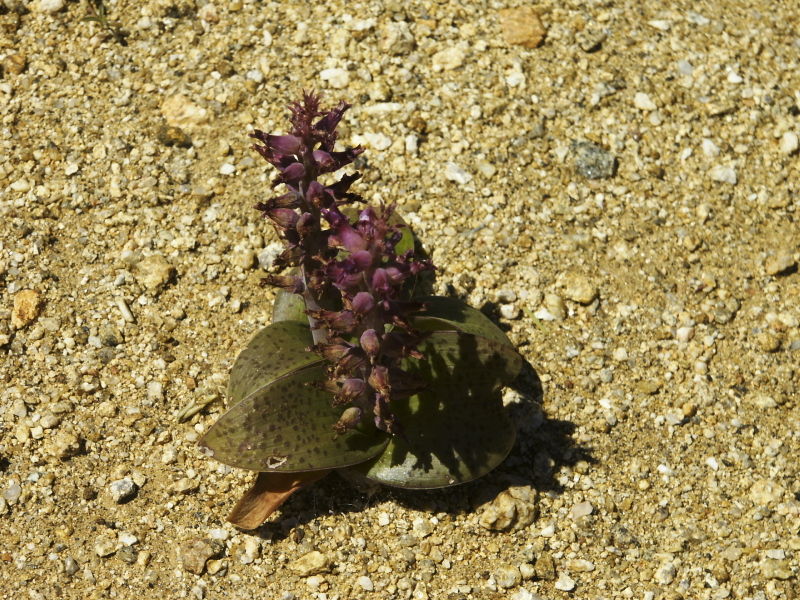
(227, 169)
(509, 311)
(20, 185)
(456, 174)
(734, 77)
(620, 354)
(337, 78)
(365, 583)
(449, 59)
(710, 149)
(544, 315)
(723, 174)
(50, 6)
(684, 334)
(374, 141)
(565, 583)
(122, 490)
(660, 24)
(789, 142)
(155, 391)
(643, 102)
(127, 539)
(582, 509)
(712, 463)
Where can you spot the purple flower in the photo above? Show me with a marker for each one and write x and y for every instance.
(347, 271)
(370, 343)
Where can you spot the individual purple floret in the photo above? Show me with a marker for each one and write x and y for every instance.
(347, 271)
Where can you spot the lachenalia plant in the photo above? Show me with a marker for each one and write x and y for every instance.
(355, 372)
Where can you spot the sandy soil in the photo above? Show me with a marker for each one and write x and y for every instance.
(616, 183)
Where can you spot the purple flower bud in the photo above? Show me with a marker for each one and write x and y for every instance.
(362, 303)
(284, 144)
(333, 351)
(380, 281)
(294, 285)
(362, 259)
(394, 275)
(283, 217)
(293, 172)
(330, 121)
(306, 224)
(322, 158)
(379, 380)
(342, 320)
(350, 419)
(370, 342)
(352, 388)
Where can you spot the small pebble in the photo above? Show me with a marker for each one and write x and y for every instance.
(27, 305)
(509, 311)
(592, 161)
(723, 174)
(578, 288)
(181, 112)
(555, 307)
(70, 566)
(449, 58)
(545, 567)
(365, 583)
(565, 583)
(507, 576)
(105, 546)
(765, 492)
(122, 490)
(20, 185)
(789, 143)
(154, 272)
(511, 510)
(194, 553)
(49, 6)
(521, 27)
(643, 102)
(312, 563)
(337, 78)
(396, 38)
(582, 509)
(779, 263)
(456, 174)
(665, 574)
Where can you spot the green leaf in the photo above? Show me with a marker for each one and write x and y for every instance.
(287, 426)
(451, 314)
(274, 351)
(456, 430)
(289, 307)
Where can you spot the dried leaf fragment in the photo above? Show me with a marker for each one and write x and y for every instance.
(268, 492)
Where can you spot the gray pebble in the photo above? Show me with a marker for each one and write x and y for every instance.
(123, 490)
(70, 566)
(592, 161)
(194, 553)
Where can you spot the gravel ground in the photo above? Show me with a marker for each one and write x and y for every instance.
(615, 182)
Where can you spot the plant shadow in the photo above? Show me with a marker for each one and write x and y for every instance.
(542, 448)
